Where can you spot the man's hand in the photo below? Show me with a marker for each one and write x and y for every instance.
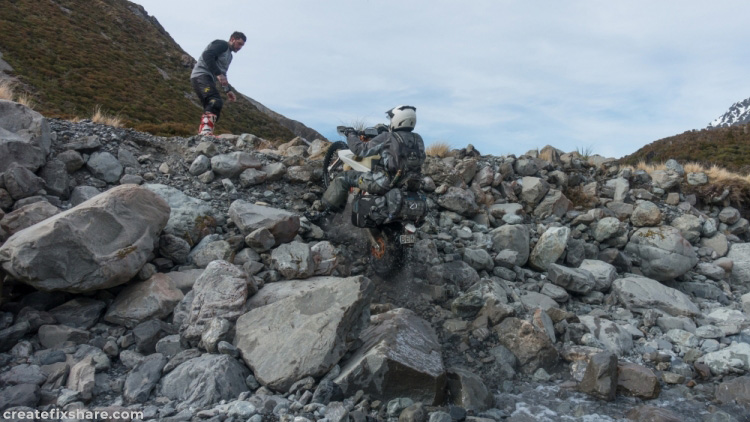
(222, 80)
(231, 96)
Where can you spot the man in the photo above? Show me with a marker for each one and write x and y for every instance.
(212, 65)
(401, 152)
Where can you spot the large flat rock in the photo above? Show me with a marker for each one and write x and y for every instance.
(101, 243)
(303, 328)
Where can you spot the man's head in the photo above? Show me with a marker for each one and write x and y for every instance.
(402, 117)
(237, 41)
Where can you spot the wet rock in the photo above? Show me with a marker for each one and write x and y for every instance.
(468, 390)
(653, 413)
(600, 378)
(735, 391)
(400, 356)
(531, 346)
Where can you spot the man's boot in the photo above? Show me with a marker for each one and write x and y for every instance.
(207, 124)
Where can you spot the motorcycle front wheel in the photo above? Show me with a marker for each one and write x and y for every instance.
(332, 164)
(389, 256)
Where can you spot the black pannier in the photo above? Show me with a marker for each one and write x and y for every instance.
(396, 205)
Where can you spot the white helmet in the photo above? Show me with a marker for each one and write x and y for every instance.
(402, 117)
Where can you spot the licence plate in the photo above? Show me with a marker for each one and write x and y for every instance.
(408, 239)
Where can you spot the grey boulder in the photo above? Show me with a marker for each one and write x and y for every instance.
(101, 243)
(205, 380)
(220, 291)
(153, 298)
(249, 217)
(640, 294)
(400, 357)
(301, 328)
(663, 252)
(24, 136)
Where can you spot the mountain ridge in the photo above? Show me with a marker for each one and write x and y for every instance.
(738, 114)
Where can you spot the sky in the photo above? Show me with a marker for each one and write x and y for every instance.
(605, 77)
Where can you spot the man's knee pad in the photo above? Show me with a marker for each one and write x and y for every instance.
(214, 106)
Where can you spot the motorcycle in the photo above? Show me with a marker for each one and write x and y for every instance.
(390, 220)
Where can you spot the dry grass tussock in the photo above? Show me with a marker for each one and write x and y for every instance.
(715, 173)
(719, 180)
(438, 149)
(104, 118)
(9, 91)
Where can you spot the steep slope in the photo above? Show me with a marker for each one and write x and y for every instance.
(72, 55)
(738, 114)
(728, 147)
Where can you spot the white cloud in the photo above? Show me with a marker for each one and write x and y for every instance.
(506, 76)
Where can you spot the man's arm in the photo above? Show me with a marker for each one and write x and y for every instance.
(366, 149)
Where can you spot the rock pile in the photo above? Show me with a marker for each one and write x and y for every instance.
(177, 277)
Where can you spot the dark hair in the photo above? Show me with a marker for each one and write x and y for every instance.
(238, 35)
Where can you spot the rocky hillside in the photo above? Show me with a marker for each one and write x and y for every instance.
(72, 55)
(727, 147)
(177, 277)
